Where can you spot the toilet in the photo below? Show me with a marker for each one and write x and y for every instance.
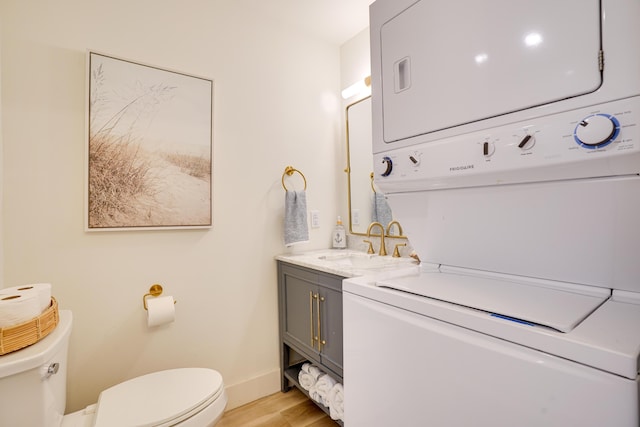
(33, 390)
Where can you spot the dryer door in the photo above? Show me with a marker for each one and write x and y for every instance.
(449, 63)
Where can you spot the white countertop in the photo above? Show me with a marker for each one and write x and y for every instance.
(347, 262)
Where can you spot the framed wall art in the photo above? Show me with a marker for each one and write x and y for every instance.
(149, 147)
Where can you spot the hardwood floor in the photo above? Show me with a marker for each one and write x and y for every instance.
(290, 409)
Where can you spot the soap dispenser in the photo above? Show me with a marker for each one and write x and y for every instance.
(339, 240)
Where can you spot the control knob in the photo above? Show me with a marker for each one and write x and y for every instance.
(527, 142)
(415, 159)
(596, 131)
(488, 148)
(384, 167)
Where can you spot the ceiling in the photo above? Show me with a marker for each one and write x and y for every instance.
(335, 21)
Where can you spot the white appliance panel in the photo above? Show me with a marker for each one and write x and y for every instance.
(542, 149)
(435, 77)
(451, 376)
(605, 340)
(577, 231)
(532, 302)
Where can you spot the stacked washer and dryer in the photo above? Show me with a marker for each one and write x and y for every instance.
(507, 140)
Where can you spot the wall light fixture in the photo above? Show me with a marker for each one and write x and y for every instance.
(358, 87)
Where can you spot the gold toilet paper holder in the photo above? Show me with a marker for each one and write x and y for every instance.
(154, 291)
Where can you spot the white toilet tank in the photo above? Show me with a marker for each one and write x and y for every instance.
(33, 380)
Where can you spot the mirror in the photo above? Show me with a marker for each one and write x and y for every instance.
(366, 204)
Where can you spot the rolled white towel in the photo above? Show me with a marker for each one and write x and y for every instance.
(315, 372)
(306, 380)
(336, 402)
(324, 385)
(308, 375)
(313, 393)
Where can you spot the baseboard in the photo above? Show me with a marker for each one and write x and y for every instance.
(253, 389)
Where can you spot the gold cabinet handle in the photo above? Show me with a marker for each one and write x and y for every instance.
(321, 342)
(312, 296)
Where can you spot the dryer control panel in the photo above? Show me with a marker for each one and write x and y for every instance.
(602, 140)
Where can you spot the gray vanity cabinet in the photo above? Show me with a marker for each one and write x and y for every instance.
(310, 310)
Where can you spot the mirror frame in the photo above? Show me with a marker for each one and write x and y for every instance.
(347, 170)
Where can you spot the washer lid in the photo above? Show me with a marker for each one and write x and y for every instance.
(561, 306)
(158, 398)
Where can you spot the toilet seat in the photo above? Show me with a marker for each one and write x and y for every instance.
(158, 399)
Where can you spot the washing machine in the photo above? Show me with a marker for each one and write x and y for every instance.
(506, 138)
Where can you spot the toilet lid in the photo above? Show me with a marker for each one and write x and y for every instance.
(158, 398)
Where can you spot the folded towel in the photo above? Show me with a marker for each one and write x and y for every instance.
(380, 212)
(305, 367)
(295, 218)
(324, 385)
(336, 402)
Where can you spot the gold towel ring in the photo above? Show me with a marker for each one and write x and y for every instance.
(372, 187)
(289, 170)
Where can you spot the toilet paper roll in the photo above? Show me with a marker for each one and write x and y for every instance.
(160, 310)
(16, 308)
(42, 289)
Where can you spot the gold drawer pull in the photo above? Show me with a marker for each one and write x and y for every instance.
(321, 342)
(312, 296)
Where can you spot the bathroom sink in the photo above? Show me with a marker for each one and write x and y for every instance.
(348, 262)
(363, 261)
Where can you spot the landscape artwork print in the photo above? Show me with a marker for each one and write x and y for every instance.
(149, 147)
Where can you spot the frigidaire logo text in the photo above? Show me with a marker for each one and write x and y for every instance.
(460, 168)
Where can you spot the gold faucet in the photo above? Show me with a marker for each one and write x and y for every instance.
(391, 225)
(383, 250)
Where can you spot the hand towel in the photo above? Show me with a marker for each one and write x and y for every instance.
(295, 218)
(336, 402)
(324, 385)
(380, 211)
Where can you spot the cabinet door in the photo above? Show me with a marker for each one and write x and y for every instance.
(300, 317)
(331, 328)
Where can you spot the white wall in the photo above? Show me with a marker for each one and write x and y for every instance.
(355, 61)
(1, 168)
(276, 103)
